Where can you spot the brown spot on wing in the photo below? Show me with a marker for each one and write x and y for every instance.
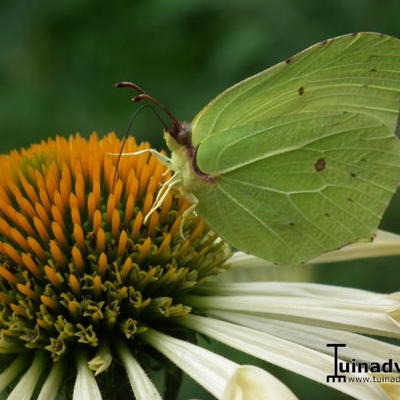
(301, 91)
(320, 165)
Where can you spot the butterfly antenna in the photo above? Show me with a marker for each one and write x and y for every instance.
(135, 114)
(129, 85)
(145, 96)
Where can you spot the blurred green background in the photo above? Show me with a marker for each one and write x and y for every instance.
(60, 60)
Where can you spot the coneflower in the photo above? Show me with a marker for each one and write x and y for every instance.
(92, 297)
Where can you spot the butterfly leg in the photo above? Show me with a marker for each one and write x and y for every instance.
(161, 157)
(162, 194)
(165, 186)
(193, 199)
(166, 172)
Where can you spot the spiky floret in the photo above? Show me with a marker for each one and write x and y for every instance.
(77, 263)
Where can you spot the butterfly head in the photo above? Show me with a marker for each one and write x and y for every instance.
(178, 137)
(180, 131)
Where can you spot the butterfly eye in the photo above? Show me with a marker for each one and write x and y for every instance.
(183, 137)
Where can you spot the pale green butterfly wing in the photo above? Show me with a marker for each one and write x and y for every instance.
(305, 151)
(296, 186)
(358, 73)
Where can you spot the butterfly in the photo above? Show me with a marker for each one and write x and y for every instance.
(299, 159)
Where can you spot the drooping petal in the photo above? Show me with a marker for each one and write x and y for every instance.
(85, 384)
(394, 316)
(368, 317)
(12, 371)
(244, 260)
(359, 347)
(252, 383)
(288, 355)
(221, 377)
(247, 268)
(53, 382)
(142, 386)
(384, 244)
(340, 294)
(207, 368)
(26, 385)
(392, 389)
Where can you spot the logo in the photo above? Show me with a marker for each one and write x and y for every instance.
(356, 367)
(336, 377)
